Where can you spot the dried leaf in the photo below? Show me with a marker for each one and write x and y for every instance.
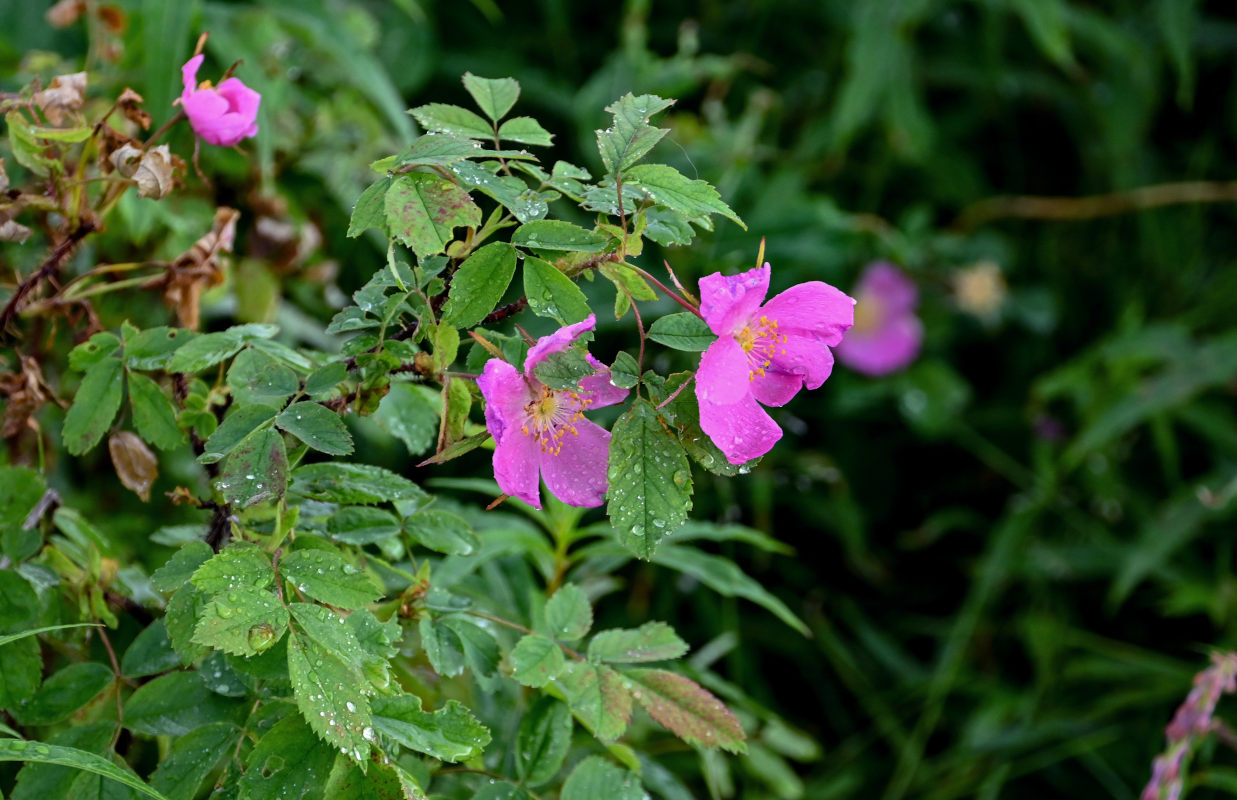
(154, 173)
(66, 93)
(130, 104)
(25, 396)
(4, 178)
(126, 159)
(135, 465)
(198, 268)
(65, 13)
(11, 231)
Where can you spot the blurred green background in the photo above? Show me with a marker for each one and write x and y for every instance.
(1014, 554)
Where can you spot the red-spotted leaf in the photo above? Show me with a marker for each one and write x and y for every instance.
(686, 709)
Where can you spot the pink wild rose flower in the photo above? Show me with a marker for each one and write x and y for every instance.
(763, 354)
(222, 115)
(539, 431)
(887, 333)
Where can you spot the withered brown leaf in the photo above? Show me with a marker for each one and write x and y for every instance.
(136, 465)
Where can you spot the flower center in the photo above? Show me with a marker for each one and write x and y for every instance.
(552, 415)
(760, 344)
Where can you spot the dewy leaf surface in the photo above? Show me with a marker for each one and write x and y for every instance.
(37, 752)
(329, 578)
(451, 733)
(479, 284)
(694, 199)
(652, 641)
(317, 426)
(288, 763)
(686, 709)
(423, 211)
(329, 694)
(650, 480)
(337, 482)
(599, 697)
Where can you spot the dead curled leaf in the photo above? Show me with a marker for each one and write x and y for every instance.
(130, 103)
(152, 170)
(65, 13)
(135, 464)
(66, 93)
(198, 269)
(24, 395)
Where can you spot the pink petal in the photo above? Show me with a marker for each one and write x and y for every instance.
(189, 74)
(812, 309)
(776, 388)
(895, 292)
(727, 302)
(226, 130)
(723, 376)
(577, 475)
(805, 355)
(515, 466)
(598, 389)
(241, 98)
(506, 394)
(742, 430)
(204, 106)
(889, 348)
(557, 342)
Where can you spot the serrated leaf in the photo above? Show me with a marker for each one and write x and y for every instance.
(205, 351)
(181, 566)
(409, 416)
(181, 618)
(682, 331)
(423, 211)
(552, 294)
(630, 136)
(625, 372)
(442, 647)
(243, 622)
(63, 693)
(686, 709)
(442, 532)
(628, 284)
(352, 483)
(240, 566)
(19, 604)
(447, 150)
(694, 199)
(564, 369)
(256, 471)
(667, 227)
(494, 96)
(327, 577)
(150, 653)
(153, 413)
(568, 614)
(362, 525)
(233, 430)
(595, 777)
(94, 406)
(93, 350)
(39, 753)
(514, 195)
(480, 648)
(350, 781)
(191, 758)
(330, 695)
(445, 118)
(652, 641)
(325, 378)
(650, 480)
(542, 742)
(317, 426)
(153, 348)
(525, 130)
(553, 234)
(288, 763)
(479, 284)
(258, 377)
(176, 704)
(370, 210)
(536, 660)
(451, 733)
(598, 696)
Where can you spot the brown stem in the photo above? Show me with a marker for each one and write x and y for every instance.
(49, 269)
(502, 312)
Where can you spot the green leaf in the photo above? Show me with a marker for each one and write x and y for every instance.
(233, 430)
(21, 489)
(423, 210)
(257, 377)
(479, 284)
(668, 187)
(667, 227)
(191, 758)
(181, 566)
(447, 150)
(153, 413)
(445, 118)
(288, 763)
(564, 369)
(70, 135)
(553, 234)
(329, 578)
(351, 781)
(64, 692)
(181, 619)
(451, 733)
(37, 752)
(26, 148)
(19, 604)
(93, 350)
(442, 647)
(686, 709)
(409, 416)
(243, 622)
(458, 449)
(568, 615)
(330, 695)
(153, 348)
(598, 695)
(239, 566)
(176, 704)
(256, 471)
(630, 136)
(536, 660)
(682, 331)
(650, 480)
(442, 532)
(726, 578)
(686, 410)
(525, 130)
(595, 777)
(1048, 23)
(317, 426)
(652, 641)
(494, 96)
(150, 653)
(625, 372)
(628, 285)
(21, 671)
(480, 649)
(205, 351)
(325, 378)
(542, 742)
(370, 210)
(352, 483)
(552, 294)
(457, 402)
(362, 525)
(94, 406)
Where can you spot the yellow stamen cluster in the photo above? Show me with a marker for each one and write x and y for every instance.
(760, 345)
(552, 415)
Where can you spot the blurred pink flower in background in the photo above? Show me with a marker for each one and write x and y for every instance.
(223, 115)
(539, 431)
(887, 334)
(763, 354)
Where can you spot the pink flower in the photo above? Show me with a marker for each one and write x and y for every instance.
(542, 431)
(763, 354)
(887, 334)
(224, 115)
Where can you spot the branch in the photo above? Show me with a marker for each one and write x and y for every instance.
(49, 269)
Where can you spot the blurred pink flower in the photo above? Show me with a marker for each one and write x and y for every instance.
(887, 334)
(542, 431)
(763, 354)
(223, 115)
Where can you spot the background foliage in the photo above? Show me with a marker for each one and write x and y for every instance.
(1012, 556)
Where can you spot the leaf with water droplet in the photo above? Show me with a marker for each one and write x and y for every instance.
(229, 621)
(644, 501)
(328, 577)
(451, 733)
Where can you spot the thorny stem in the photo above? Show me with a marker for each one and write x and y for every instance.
(675, 393)
(676, 298)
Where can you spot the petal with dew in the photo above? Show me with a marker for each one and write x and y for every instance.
(727, 302)
(806, 355)
(577, 475)
(506, 393)
(557, 342)
(597, 387)
(776, 388)
(723, 376)
(516, 461)
(742, 430)
(814, 307)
